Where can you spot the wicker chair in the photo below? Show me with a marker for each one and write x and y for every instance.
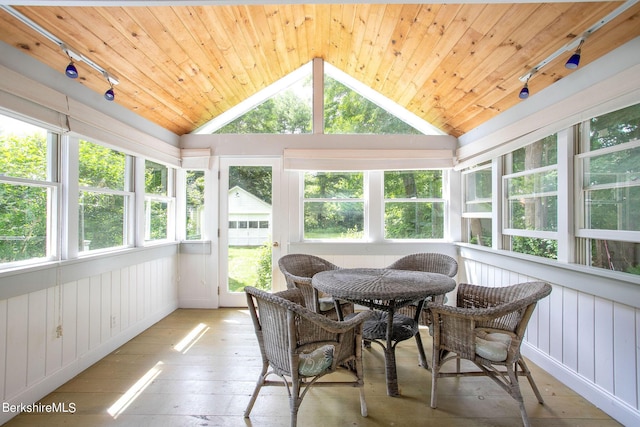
(298, 269)
(301, 346)
(487, 328)
(432, 263)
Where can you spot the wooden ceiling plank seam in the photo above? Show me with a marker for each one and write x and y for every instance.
(272, 13)
(406, 65)
(175, 28)
(404, 21)
(117, 19)
(371, 23)
(217, 46)
(499, 78)
(300, 26)
(357, 37)
(334, 34)
(161, 72)
(312, 29)
(381, 46)
(193, 24)
(226, 36)
(288, 26)
(481, 36)
(436, 48)
(455, 54)
(620, 31)
(243, 47)
(506, 52)
(96, 54)
(259, 44)
(345, 36)
(461, 63)
(410, 41)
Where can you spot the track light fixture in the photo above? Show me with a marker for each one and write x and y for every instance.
(71, 71)
(575, 45)
(524, 92)
(574, 61)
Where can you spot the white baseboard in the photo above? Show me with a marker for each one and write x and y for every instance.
(604, 400)
(51, 382)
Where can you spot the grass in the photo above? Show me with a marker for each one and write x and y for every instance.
(243, 267)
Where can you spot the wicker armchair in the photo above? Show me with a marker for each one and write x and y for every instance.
(301, 346)
(432, 263)
(298, 269)
(487, 328)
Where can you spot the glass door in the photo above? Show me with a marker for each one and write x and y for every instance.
(247, 245)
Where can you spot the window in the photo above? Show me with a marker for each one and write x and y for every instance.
(105, 200)
(195, 205)
(158, 185)
(477, 209)
(413, 205)
(608, 168)
(530, 185)
(28, 191)
(333, 205)
(374, 205)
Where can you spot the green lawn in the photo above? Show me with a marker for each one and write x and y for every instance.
(243, 267)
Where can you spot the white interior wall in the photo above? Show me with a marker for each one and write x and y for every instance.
(58, 320)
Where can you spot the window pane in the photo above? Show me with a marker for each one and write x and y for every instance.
(195, 204)
(156, 215)
(546, 248)
(333, 220)
(412, 184)
(287, 112)
(615, 255)
(621, 168)
(615, 128)
(478, 191)
(156, 178)
(102, 221)
(23, 222)
(414, 220)
(348, 112)
(532, 202)
(23, 149)
(479, 231)
(539, 154)
(330, 185)
(101, 167)
(613, 209)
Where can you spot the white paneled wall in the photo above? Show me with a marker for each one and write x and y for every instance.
(587, 341)
(49, 335)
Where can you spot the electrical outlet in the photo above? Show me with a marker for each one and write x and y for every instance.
(113, 321)
(59, 331)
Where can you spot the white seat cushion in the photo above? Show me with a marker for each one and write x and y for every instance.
(492, 346)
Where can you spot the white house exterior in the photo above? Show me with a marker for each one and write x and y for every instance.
(249, 219)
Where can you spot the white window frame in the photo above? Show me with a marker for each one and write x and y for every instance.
(129, 204)
(468, 215)
(51, 183)
(169, 199)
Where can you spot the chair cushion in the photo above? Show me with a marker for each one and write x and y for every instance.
(375, 328)
(316, 362)
(492, 346)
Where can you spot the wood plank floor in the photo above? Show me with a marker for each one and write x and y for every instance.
(161, 379)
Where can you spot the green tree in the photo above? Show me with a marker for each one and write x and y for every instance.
(23, 208)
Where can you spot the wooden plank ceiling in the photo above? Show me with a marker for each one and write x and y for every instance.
(454, 65)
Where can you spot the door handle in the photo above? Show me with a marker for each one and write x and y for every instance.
(276, 244)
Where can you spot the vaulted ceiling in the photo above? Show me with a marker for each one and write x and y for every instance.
(181, 64)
